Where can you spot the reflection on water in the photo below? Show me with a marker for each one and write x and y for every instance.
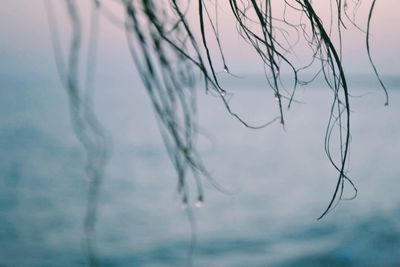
(282, 182)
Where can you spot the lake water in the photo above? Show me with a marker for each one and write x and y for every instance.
(282, 181)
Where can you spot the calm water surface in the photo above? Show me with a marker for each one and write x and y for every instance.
(281, 180)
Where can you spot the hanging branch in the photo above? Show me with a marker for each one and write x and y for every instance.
(88, 130)
(169, 58)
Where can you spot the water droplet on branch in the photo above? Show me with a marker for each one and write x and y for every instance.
(199, 203)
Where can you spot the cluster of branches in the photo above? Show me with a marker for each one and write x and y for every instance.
(170, 53)
(166, 52)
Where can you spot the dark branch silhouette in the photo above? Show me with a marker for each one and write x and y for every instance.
(170, 58)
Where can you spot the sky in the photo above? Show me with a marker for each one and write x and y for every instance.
(25, 46)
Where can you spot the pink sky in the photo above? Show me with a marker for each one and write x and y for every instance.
(24, 31)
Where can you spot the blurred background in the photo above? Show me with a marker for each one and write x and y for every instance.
(282, 180)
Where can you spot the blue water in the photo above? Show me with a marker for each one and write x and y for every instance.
(281, 180)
